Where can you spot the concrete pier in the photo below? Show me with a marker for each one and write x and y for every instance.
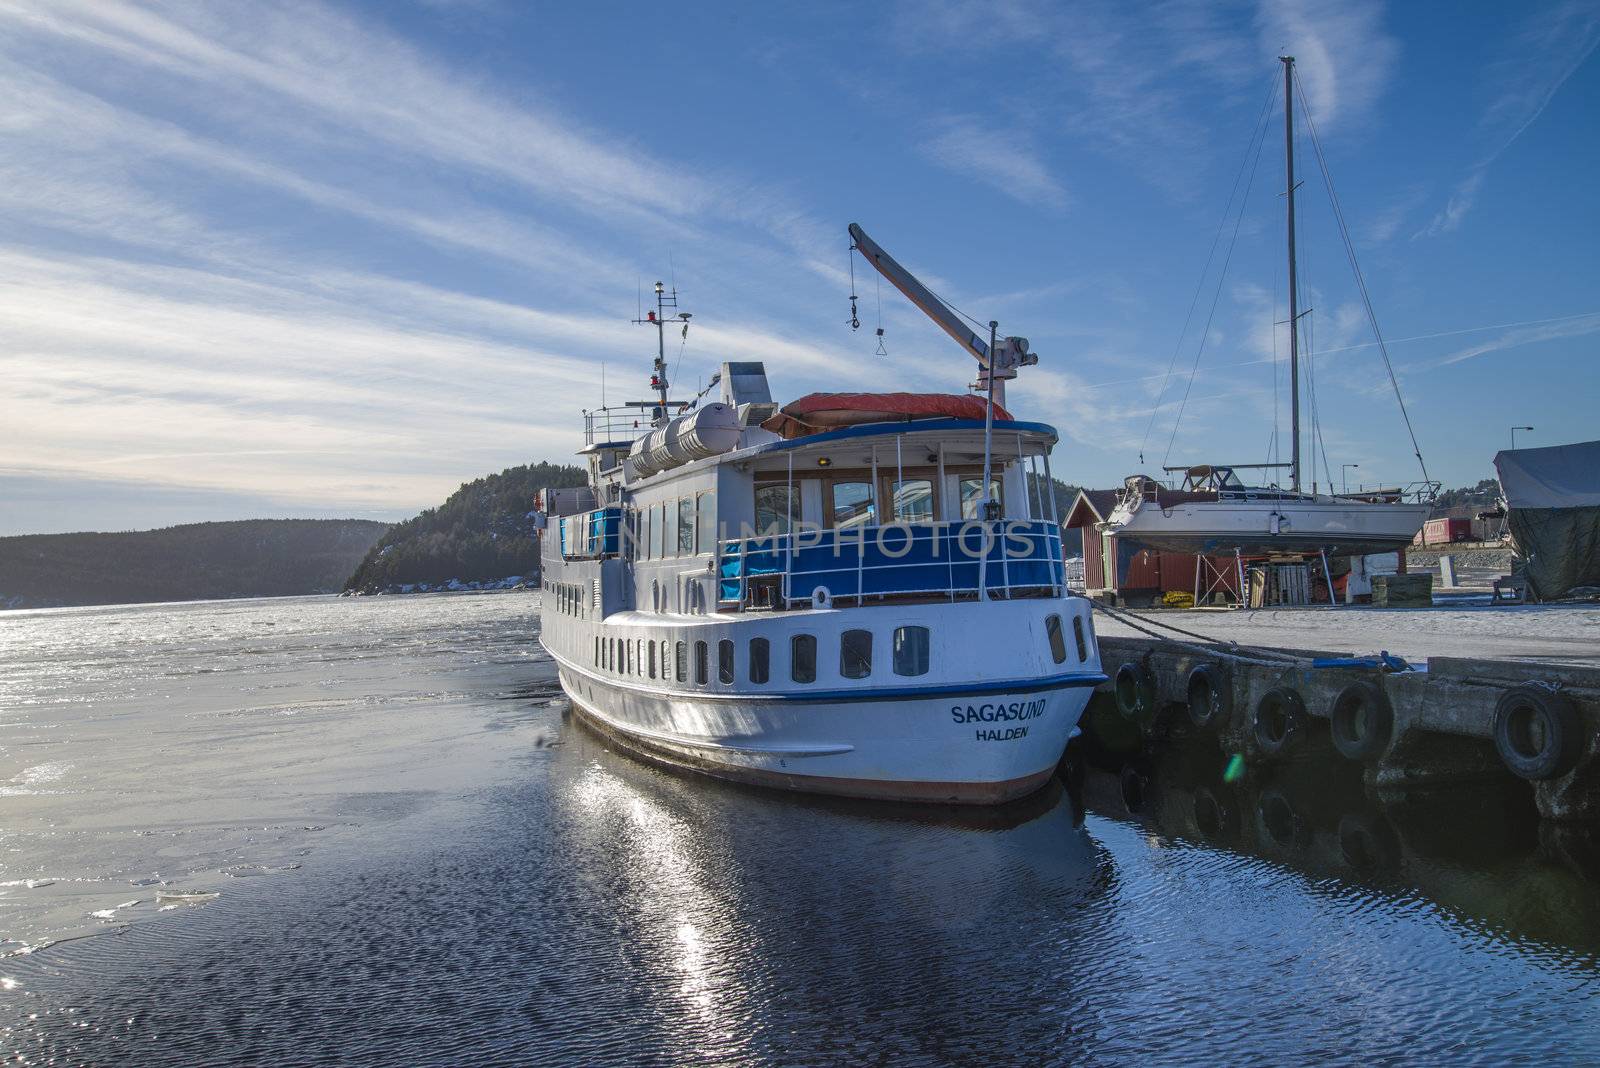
(1405, 728)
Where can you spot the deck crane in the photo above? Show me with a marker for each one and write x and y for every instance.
(998, 358)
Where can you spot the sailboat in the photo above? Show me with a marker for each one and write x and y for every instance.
(1213, 510)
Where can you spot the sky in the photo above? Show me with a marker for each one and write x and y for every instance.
(335, 259)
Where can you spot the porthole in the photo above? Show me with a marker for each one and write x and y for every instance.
(1058, 642)
(855, 654)
(760, 660)
(911, 651)
(803, 658)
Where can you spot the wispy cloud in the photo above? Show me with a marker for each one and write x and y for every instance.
(1550, 48)
(316, 64)
(1343, 54)
(1003, 159)
(1524, 335)
(1143, 83)
(176, 315)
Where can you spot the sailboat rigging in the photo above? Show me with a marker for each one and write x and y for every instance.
(1213, 510)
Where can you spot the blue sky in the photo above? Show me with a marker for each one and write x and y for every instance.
(335, 259)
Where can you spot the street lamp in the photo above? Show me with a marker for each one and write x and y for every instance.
(1514, 434)
(1344, 480)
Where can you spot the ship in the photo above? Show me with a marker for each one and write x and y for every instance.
(851, 594)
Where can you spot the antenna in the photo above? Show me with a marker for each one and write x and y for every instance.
(658, 319)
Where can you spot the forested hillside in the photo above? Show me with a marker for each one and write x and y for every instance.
(482, 533)
(196, 561)
(1467, 501)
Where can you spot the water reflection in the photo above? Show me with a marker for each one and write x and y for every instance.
(768, 911)
(1476, 850)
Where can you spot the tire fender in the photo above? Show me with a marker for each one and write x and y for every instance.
(1538, 733)
(1280, 720)
(1135, 691)
(1361, 721)
(1210, 693)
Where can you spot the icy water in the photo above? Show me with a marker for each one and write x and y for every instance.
(417, 858)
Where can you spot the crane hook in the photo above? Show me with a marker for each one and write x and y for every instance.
(882, 350)
(855, 320)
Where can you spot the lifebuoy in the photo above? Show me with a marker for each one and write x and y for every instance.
(1210, 696)
(1361, 721)
(1539, 733)
(1279, 721)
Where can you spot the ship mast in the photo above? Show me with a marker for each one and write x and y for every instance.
(658, 319)
(1294, 296)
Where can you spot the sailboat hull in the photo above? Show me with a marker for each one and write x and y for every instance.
(1338, 527)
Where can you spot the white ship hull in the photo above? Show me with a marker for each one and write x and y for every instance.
(1341, 527)
(976, 729)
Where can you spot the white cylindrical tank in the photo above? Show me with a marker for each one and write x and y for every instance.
(703, 432)
(639, 457)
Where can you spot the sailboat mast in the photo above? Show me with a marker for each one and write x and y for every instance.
(1294, 292)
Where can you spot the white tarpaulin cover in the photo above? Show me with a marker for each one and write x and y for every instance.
(1561, 476)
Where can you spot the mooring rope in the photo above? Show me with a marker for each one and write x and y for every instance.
(1214, 646)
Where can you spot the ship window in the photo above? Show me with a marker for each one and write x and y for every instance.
(1058, 643)
(803, 658)
(650, 661)
(725, 661)
(706, 510)
(597, 652)
(911, 650)
(855, 654)
(760, 660)
(701, 667)
(852, 504)
(683, 662)
(777, 509)
(972, 496)
(1077, 637)
(685, 526)
(913, 501)
(644, 532)
(657, 527)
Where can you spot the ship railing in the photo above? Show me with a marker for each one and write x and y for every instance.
(604, 426)
(592, 535)
(948, 560)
